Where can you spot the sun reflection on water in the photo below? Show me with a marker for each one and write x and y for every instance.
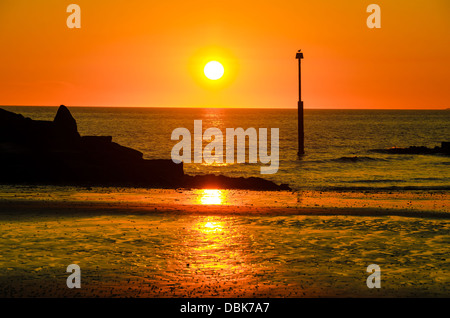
(210, 197)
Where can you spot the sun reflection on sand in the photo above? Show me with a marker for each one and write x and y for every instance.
(209, 227)
(211, 197)
(215, 246)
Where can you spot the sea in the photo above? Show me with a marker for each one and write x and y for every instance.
(338, 143)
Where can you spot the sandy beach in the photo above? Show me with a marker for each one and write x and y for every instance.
(211, 243)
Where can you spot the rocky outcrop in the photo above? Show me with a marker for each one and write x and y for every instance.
(417, 150)
(65, 125)
(53, 152)
(211, 181)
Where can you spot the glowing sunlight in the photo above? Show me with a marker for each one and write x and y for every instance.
(211, 197)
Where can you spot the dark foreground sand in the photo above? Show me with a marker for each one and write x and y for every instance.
(129, 249)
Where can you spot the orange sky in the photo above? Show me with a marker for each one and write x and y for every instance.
(150, 53)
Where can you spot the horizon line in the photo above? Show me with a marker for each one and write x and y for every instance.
(224, 107)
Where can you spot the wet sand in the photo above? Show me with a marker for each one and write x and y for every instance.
(211, 245)
(222, 202)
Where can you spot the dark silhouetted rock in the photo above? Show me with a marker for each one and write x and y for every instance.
(211, 181)
(445, 146)
(415, 150)
(102, 148)
(65, 125)
(53, 152)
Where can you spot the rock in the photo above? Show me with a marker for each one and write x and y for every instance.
(102, 148)
(416, 150)
(17, 129)
(93, 140)
(211, 181)
(39, 133)
(53, 152)
(445, 145)
(65, 125)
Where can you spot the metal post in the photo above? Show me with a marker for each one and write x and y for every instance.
(301, 131)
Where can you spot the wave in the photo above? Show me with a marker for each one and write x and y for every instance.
(377, 181)
(426, 179)
(346, 159)
(356, 159)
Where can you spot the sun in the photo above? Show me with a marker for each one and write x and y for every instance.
(213, 70)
